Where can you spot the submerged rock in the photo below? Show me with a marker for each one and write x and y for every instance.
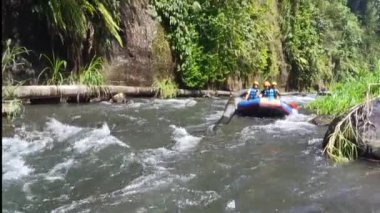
(322, 120)
(365, 122)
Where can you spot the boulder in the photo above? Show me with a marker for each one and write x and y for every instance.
(365, 120)
(119, 98)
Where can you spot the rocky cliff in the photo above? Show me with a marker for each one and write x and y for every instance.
(146, 53)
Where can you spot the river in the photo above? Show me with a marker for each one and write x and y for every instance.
(152, 155)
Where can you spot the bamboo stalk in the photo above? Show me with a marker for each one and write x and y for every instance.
(38, 91)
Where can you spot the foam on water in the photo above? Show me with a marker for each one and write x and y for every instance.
(14, 150)
(26, 143)
(184, 141)
(174, 103)
(163, 103)
(136, 120)
(156, 164)
(189, 197)
(61, 131)
(97, 139)
(150, 182)
(230, 205)
(139, 185)
(59, 171)
(298, 99)
(297, 123)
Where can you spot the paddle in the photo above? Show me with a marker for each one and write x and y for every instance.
(228, 113)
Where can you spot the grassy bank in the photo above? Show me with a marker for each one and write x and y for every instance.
(348, 93)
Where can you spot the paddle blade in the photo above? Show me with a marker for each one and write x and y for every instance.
(228, 113)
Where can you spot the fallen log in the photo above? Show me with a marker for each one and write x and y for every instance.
(65, 91)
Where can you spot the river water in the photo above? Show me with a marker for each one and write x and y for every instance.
(156, 156)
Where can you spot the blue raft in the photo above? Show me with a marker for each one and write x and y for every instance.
(264, 107)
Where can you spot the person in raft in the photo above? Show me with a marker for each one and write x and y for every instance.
(276, 92)
(253, 92)
(268, 91)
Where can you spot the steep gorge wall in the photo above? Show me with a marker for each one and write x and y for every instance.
(146, 54)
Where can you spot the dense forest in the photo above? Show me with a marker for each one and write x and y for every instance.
(298, 43)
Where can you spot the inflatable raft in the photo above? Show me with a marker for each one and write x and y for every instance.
(264, 107)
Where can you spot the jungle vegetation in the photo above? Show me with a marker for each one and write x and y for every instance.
(300, 43)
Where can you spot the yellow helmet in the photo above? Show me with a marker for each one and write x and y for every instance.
(255, 83)
(266, 84)
(274, 83)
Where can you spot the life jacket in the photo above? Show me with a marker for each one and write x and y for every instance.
(253, 93)
(270, 93)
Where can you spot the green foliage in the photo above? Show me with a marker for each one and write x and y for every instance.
(83, 26)
(166, 87)
(55, 67)
(11, 58)
(348, 93)
(214, 40)
(316, 41)
(91, 74)
(323, 41)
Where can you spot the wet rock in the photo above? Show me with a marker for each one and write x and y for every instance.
(322, 120)
(366, 122)
(146, 52)
(373, 134)
(119, 98)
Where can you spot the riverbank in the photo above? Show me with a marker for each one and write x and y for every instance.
(348, 93)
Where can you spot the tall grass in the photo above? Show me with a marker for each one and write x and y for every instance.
(349, 93)
(91, 74)
(9, 60)
(166, 87)
(55, 68)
